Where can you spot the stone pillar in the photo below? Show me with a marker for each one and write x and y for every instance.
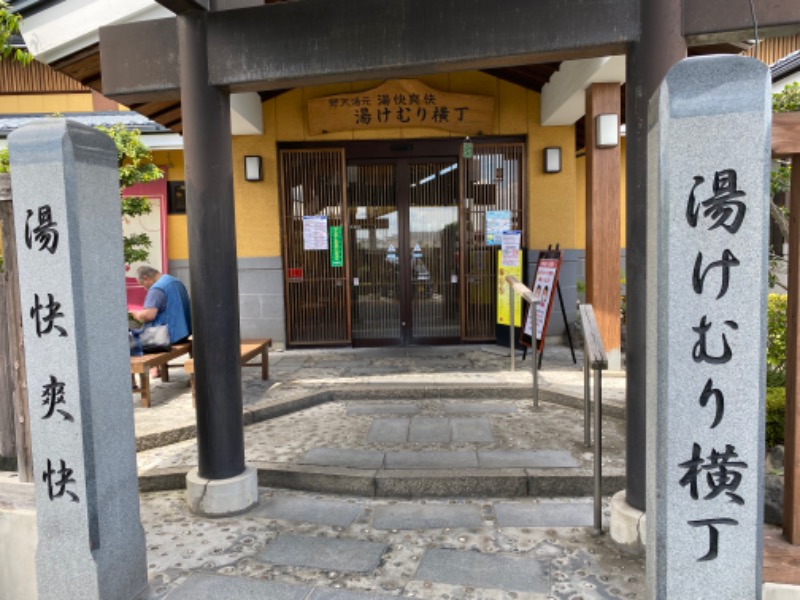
(69, 241)
(707, 231)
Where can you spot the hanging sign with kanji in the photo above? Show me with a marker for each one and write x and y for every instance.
(401, 103)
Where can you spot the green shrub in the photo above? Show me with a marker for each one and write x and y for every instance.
(776, 339)
(776, 409)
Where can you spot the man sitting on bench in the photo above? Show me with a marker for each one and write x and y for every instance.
(166, 303)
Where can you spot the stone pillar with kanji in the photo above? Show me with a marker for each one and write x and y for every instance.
(69, 239)
(708, 210)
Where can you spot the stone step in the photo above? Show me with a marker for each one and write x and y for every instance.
(223, 587)
(439, 459)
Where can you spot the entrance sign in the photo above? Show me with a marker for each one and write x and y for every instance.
(708, 210)
(315, 233)
(401, 103)
(69, 235)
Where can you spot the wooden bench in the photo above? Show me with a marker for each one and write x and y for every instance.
(249, 350)
(141, 365)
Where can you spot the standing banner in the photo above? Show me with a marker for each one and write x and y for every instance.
(503, 299)
(544, 286)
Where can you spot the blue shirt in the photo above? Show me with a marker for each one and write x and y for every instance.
(169, 296)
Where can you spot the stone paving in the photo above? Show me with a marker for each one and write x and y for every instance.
(423, 414)
(299, 545)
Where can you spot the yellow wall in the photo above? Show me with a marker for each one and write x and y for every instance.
(46, 103)
(556, 202)
(177, 233)
(551, 214)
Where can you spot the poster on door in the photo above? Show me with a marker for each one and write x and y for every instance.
(497, 221)
(510, 248)
(315, 232)
(503, 297)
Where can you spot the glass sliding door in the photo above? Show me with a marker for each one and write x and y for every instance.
(374, 253)
(433, 236)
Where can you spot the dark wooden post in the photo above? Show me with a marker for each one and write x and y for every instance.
(14, 321)
(212, 257)
(791, 472)
(661, 45)
(8, 445)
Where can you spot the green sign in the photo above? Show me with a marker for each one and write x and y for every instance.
(466, 149)
(336, 246)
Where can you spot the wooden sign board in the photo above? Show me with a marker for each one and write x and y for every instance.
(401, 103)
(544, 286)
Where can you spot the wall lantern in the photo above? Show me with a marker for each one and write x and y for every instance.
(552, 159)
(606, 130)
(252, 168)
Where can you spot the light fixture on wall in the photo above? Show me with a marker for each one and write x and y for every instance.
(606, 130)
(552, 159)
(252, 168)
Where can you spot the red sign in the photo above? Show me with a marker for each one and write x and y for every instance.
(296, 274)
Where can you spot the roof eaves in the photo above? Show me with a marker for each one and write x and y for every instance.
(786, 66)
(131, 120)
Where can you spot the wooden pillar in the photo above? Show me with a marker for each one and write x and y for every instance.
(791, 490)
(14, 321)
(603, 220)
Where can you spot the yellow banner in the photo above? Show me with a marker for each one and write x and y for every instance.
(503, 300)
(401, 103)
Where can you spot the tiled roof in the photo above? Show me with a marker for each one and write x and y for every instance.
(130, 119)
(786, 66)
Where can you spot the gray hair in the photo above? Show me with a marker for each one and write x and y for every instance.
(146, 272)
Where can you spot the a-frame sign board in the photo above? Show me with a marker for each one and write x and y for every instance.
(545, 285)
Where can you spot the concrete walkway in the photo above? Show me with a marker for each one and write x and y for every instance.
(398, 472)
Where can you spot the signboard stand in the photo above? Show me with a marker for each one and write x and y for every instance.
(545, 280)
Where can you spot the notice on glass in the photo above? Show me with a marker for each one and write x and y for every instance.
(510, 248)
(315, 233)
(497, 221)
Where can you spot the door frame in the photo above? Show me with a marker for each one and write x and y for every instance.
(428, 149)
(405, 284)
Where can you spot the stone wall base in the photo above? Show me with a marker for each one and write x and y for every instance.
(17, 539)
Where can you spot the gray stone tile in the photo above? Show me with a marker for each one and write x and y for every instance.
(343, 457)
(544, 514)
(309, 510)
(429, 430)
(383, 409)
(206, 585)
(479, 407)
(530, 459)
(484, 571)
(409, 459)
(324, 553)
(388, 431)
(427, 516)
(471, 430)
(330, 594)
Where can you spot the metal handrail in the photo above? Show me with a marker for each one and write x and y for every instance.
(514, 285)
(594, 359)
